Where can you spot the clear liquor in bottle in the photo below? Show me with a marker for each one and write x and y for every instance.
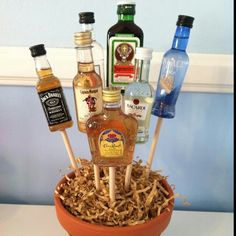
(112, 134)
(87, 21)
(87, 84)
(50, 92)
(122, 40)
(139, 95)
(173, 69)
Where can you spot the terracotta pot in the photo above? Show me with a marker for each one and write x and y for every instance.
(76, 227)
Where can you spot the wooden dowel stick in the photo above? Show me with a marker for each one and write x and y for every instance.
(112, 177)
(128, 176)
(97, 176)
(69, 149)
(153, 146)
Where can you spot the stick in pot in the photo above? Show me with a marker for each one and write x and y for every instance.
(69, 150)
(97, 176)
(154, 144)
(128, 176)
(112, 191)
(173, 69)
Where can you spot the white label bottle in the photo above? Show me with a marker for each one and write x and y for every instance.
(139, 95)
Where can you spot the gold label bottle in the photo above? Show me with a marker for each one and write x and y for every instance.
(87, 84)
(50, 92)
(112, 134)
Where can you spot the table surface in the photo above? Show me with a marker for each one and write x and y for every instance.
(37, 220)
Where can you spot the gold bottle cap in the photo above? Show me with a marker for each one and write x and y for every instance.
(83, 38)
(111, 94)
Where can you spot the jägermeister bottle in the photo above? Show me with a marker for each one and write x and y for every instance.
(122, 39)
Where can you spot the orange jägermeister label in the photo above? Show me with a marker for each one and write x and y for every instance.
(111, 143)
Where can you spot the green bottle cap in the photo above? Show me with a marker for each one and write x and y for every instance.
(126, 8)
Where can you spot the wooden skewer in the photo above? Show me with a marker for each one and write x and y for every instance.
(97, 176)
(69, 150)
(112, 176)
(128, 176)
(153, 146)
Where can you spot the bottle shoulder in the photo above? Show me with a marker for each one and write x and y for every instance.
(176, 53)
(107, 120)
(97, 45)
(125, 27)
(48, 83)
(97, 50)
(139, 89)
(87, 79)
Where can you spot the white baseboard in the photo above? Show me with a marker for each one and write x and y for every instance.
(206, 72)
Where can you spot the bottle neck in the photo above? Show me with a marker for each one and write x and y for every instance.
(142, 68)
(181, 37)
(85, 58)
(42, 67)
(126, 18)
(88, 27)
(111, 106)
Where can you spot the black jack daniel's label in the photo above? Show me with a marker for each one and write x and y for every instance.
(54, 106)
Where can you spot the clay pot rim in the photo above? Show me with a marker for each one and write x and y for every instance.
(75, 219)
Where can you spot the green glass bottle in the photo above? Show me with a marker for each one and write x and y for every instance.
(122, 39)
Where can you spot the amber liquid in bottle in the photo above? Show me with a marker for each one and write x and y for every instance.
(87, 86)
(48, 82)
(112, 136)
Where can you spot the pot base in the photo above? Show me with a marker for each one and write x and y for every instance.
(77, 227)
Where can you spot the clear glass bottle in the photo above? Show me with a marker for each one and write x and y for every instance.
(87, 84)
(139, 95)
(112, 134)
(86, 19)
(173, 69)
(50, 92)
(122, 39)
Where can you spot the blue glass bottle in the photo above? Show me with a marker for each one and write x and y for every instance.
(173, 69)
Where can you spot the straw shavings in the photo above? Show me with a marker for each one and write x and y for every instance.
(146, 199)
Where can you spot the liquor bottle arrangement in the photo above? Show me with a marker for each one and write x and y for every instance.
(139, 95)
(122, 40)
(50, 92)
(86, 19)
(112, 134)
(173, 69)
(87, 84)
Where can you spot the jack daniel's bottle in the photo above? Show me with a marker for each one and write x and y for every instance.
(50, 92)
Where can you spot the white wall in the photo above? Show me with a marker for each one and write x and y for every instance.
(28, 22)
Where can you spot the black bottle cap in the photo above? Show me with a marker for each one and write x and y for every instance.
(86, 17)
(37, 50)
(185, 21)
(126, 8)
